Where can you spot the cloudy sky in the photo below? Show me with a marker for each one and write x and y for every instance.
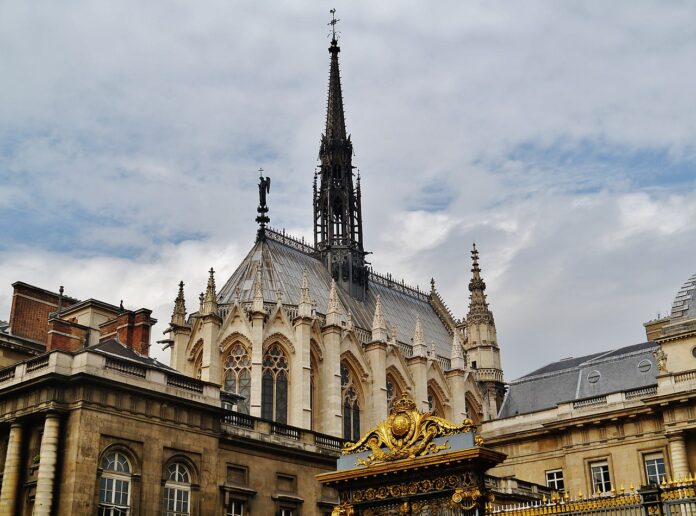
(557, 135)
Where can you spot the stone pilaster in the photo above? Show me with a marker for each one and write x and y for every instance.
(418, 367)
(10, 477)
(456, 381)
(330, 417)
(377, 394)
(47, 466)
(300, 375)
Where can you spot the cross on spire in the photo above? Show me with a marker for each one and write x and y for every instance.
(333, 23)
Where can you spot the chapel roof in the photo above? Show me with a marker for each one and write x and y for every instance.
(283, 261)
(623, 369)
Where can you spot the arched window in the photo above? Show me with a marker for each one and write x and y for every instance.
(114, 485)
(274, 385)
(434, 405)
(351, 405)
(238, 375)
(177, 490)
(393, 392)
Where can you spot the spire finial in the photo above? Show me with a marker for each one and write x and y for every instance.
(333, 23)
(210, 298)
(60, 298)
(179, 314)
(262, 218)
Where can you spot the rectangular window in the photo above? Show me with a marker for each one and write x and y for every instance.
(236, 508)
(654, 468)
(286, 512)
(600, 477)
(554, 479)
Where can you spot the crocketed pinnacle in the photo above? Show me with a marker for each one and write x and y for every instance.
(257, 304)
(305, 306)
(179, 314)
(478, 307)
(419, 347)
(333, 310)
(335, 119)
(210, 299)
(379, 327)
(457, 354)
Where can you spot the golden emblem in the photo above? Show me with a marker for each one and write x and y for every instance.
(406, 433)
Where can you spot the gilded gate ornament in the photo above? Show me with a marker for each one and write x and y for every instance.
(406, 433)
(344, 509)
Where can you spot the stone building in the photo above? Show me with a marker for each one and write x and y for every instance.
(92, 425)
(607, 420)
(310, 335)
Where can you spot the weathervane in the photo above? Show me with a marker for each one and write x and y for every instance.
(333, 23)
(262, 217)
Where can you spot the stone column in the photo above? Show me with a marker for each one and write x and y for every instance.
(10, 478)
(257, 322)
(47, 466)
(677, 451)
(330, 416)
(377, 391)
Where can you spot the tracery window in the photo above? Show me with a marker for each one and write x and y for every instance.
(274, 385)
(114, 485)
(351, 405)
(238, 375)
(177, 490)
(393, 392)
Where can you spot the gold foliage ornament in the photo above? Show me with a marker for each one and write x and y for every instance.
(406, 433)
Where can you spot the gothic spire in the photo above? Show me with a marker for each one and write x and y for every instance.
(337, 207)
(179, 314)
(478, 307)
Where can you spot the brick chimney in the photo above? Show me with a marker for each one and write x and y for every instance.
(131, 328)
(66, 335)
(31, 307)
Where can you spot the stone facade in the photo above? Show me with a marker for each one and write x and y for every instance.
(631, 433)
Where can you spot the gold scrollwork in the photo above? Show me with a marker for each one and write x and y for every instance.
(344, 509)
(406, 433)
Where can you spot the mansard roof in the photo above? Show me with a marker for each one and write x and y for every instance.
(624, 369)
(283, 261)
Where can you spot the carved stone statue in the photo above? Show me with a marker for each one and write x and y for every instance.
(661, 358)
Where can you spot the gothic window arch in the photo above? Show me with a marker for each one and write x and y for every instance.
(177, 490)
(434, 403)
(237, 374)
(393, 392)
(274, 385)
(115, 485)
(350, 404)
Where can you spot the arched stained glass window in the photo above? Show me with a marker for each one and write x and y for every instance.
(351, 405)
(274, 385)
(114, 485)
(434, 404)
(177, 490)
(238, 375)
